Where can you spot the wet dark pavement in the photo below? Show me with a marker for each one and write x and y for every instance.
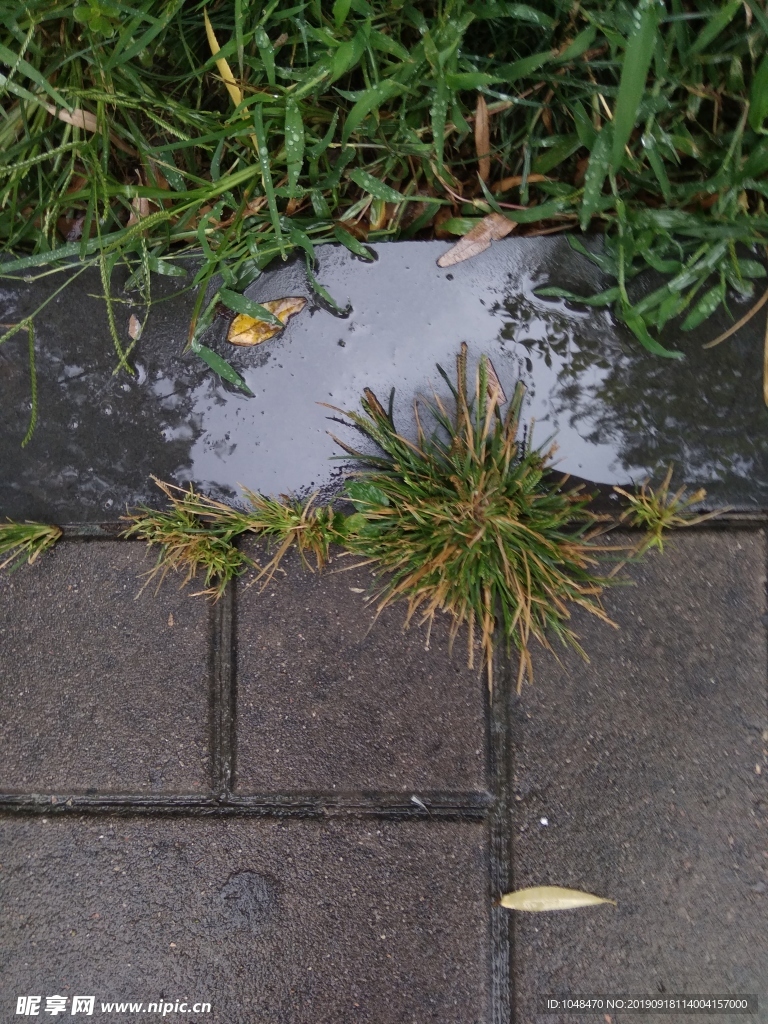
(270, 807)
(282, 808)
(619, 413)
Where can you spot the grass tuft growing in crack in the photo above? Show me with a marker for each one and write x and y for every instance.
(468, 521)
(655, 510)
(198, 535)
(25, 542)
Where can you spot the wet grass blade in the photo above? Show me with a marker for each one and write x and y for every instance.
(637, 61)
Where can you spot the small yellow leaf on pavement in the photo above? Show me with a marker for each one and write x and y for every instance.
(244, 330)
(550, 897)
(490, 229)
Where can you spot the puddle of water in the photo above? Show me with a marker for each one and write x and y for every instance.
(617, 412)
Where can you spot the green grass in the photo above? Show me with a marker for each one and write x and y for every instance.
(655, 511)
(357, 123)
(197, 535)
(467, 520)
(25, 542)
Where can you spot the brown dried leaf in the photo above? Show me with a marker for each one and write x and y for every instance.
(87, 121)
(490, 229)
(139, 209)
(482, 138)
(246, 331)
(495, 390)
(507, 183)
(134, 327)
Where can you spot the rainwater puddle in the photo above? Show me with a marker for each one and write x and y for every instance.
(617, 413)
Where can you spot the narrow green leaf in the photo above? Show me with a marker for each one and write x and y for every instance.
(705, 307)
(240, 304)
(340, 12)
(165, 268)
(266, 174)
(751, 268)
(580, 44)
(374, 187)
(386, 44)
(585, 129)
(756, 164)
(657, 164)
(522, 12)
(714, 26)
(371, 100)
(470, 79)
(363, 495)
(758, 96)
(603, 299)
(510, 73)
(542, 212)
(637, 60)
(597, 169)
(347, 55)
(550, 158)
(439, 114)
(637, 325)
(266, 52)
(353, 244)
(460, 225)
(302, 240)
(294, 142)
(157, 25)
(9, 57)
(322, 291)
(222, 368)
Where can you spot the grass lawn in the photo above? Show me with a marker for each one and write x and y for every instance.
(126, 140)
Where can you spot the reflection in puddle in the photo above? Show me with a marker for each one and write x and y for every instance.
(617, 412)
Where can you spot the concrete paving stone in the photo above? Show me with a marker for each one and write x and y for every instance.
(641, 777)
(101, 692)
(324, 704)
(272, 922)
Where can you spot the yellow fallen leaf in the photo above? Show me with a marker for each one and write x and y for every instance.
(490, 229)
(224, 69)
(244, 330)
(550, 897)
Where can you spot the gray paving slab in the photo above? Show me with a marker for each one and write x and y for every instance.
(271, 922)
(330, 700)
(101, 692)
(642, 777)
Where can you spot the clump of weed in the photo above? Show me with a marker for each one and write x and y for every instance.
(25, 542)
(469, 521)
(198, 534)
(290, 522)
(656, 510)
